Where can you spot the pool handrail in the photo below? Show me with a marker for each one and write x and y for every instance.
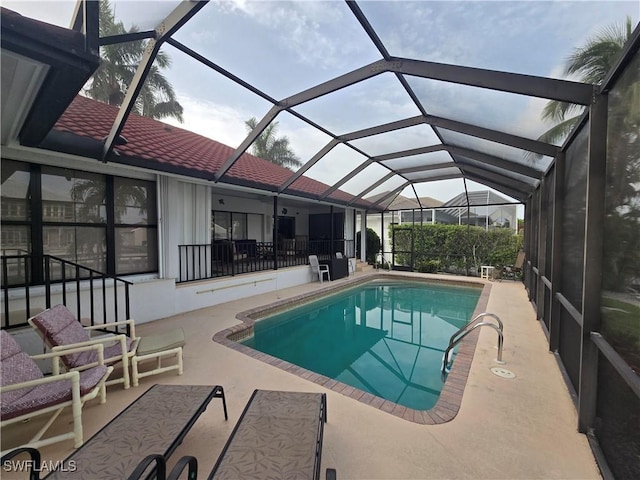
(474, 320)
(467, 329)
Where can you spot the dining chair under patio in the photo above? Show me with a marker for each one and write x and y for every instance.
(317, 269)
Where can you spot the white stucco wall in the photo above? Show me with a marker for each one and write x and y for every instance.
(154, 298)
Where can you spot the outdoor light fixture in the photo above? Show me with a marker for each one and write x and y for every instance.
(221, 201)
(284, 211)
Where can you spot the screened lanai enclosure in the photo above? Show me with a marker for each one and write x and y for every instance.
(415, 100)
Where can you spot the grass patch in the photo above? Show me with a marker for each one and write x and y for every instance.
(621, 328)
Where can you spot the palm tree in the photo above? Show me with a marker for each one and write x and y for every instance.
(591, 63)
(269, 147)
(90, 196)
(118, 67)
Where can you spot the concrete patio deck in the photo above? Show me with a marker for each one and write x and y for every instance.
(520, 428)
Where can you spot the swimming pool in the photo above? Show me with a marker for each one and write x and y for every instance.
(382, 339)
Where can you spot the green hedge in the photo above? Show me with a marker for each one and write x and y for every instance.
(454, 248)
(372, 245)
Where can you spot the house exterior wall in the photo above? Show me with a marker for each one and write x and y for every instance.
(260, 213)
(184, 217)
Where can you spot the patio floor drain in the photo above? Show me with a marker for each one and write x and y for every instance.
(503, 372)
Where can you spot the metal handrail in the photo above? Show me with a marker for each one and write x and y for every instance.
(70, 273)
(474, 320)
(466, 330)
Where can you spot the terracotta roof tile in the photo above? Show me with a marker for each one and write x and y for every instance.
(165, 145)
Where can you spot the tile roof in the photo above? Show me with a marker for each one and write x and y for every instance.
(159, 146)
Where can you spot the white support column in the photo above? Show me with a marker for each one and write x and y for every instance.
(363, 236)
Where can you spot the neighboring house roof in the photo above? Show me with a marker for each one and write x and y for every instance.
(479, 198)
(399, 202)
(428, 202)
(476, 198)
(158, 146)
(403, 203)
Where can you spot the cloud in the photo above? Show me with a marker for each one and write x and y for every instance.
(221, 123)
(318, 34)
(53, 12)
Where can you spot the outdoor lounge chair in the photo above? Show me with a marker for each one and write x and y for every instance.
(278, 435)
(511, 271)
(155, 424)
(60, 331)
(317, 269)
(27, 393)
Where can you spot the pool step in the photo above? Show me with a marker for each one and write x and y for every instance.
(364, 267)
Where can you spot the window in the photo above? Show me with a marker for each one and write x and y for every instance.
(229, 226)
(99, 221)
(135, 229)
(16, 222)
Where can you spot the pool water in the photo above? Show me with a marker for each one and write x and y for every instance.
(384, 337)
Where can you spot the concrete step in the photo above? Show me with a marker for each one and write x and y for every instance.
(363, 267)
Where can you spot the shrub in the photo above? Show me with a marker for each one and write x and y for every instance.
(456, 248)
(372, 242)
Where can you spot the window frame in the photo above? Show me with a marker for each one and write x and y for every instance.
(36, 223)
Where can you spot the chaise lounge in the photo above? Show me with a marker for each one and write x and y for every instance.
(278, 435)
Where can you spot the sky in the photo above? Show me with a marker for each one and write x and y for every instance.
(283, 48)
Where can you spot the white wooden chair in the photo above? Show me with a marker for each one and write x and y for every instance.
(318, 269)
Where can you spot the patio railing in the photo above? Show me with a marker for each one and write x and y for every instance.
(224, 258)
(87, 292)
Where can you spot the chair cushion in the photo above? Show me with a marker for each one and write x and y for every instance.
(110, 351)
(16, 367)
(60, 327)
(46, 395)
(8, 345)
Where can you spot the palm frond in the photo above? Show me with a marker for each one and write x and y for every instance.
(556, 134)
(591, 62)
(118, 67)
(594, 60)
(269, 147)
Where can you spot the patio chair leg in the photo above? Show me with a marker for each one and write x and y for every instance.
(125, 365)
(134, 372)
(46, 426)
(103, 394)
(77, 425)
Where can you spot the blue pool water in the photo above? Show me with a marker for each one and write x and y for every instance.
(384, 337)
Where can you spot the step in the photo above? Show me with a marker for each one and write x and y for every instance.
(363, 267)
